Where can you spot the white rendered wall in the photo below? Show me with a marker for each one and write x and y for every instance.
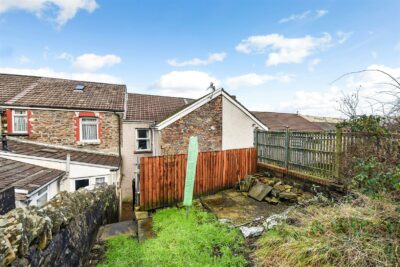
(130, 157)
(237, 127)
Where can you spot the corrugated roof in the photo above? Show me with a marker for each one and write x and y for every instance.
(279, 121)
(25, 176)
(143, 107)
(35, 150)
(32, 91)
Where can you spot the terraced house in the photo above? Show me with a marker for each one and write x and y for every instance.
(159, 125)
(68, 125)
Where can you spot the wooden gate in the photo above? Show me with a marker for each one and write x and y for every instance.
(162, 178)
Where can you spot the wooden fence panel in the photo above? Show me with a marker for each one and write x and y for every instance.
(162, 178)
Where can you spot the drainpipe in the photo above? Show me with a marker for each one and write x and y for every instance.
(4, 142)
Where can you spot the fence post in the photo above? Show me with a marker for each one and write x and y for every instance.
(338, 151)
(287, 142)
(256, 140)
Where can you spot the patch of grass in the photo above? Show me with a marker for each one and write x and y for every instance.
(360, 232)
(199, 241)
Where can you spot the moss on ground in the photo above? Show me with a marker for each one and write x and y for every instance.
(199, 241)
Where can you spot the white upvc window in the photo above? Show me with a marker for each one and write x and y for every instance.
(20, 121)
(143, 137)
(89, 129)
(100, 180)
(42, 197)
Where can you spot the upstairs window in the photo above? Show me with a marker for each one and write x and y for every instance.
(20, 121)
(143, 140)
(89, 129)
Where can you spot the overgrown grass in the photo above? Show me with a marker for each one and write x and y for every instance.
(361, 232)
(199, 241)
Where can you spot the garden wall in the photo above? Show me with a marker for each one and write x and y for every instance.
(59, 234)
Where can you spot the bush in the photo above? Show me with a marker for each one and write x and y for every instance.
(374, 177)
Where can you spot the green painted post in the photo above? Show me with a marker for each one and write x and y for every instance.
(338, 152)
(190, 172)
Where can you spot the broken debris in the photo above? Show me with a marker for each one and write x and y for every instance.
(251, 231)
(259, 191)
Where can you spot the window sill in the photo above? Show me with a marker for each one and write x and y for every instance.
(18, 134)
(95, 142)
(142, 152)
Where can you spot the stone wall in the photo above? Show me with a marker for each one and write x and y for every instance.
(61, 233)
(204, 122)
(58, 127)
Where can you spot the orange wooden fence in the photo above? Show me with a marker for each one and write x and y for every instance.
(162, 178)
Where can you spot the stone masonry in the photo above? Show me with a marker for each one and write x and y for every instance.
(57, 127)
(204, 122)
(61, 233)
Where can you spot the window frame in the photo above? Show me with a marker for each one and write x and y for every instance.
(137, 139)
(19, 115)
(100, 177)
(81, 179)
(81, 132)
(40, 195)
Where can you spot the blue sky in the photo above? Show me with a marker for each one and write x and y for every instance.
(273, 55)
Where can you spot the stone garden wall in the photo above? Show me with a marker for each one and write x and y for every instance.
(61, 233)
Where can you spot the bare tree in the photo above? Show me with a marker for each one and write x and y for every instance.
(348, 104)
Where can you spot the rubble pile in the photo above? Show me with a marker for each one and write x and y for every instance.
(263, 187)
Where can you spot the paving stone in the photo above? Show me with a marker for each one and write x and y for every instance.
(288, 196)
(259, 191)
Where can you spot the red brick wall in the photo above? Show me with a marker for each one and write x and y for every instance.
(204, 122)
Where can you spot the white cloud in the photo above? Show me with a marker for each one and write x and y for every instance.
(372, 87)
(313, 63)
(24, 60)
(321, 13)
(65, 9)
(343, 36)
(215, 57)
(306, 14)
(185, 83)
(48, 72)
(93, 62)
(254, 79)
(282, 49)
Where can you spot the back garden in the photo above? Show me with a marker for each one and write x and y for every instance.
(359, 226)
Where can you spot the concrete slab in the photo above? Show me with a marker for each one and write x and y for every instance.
(128, 228)
(259, 191)
(239, 208)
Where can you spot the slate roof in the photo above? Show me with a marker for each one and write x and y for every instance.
(141, 107)
(25, 176)
(33, 91)
(278, 121)
(35, 150)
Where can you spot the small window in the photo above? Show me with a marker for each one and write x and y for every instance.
(89, 129)
(42, 197)
(20, 121)
(143, 140)
(100, 180)
(81, 183)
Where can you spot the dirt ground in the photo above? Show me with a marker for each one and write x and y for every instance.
(239, 208)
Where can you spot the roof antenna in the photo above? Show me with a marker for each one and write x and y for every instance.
(212, 87)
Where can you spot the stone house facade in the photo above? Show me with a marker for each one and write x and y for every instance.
(218, 120)
(67, 125)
